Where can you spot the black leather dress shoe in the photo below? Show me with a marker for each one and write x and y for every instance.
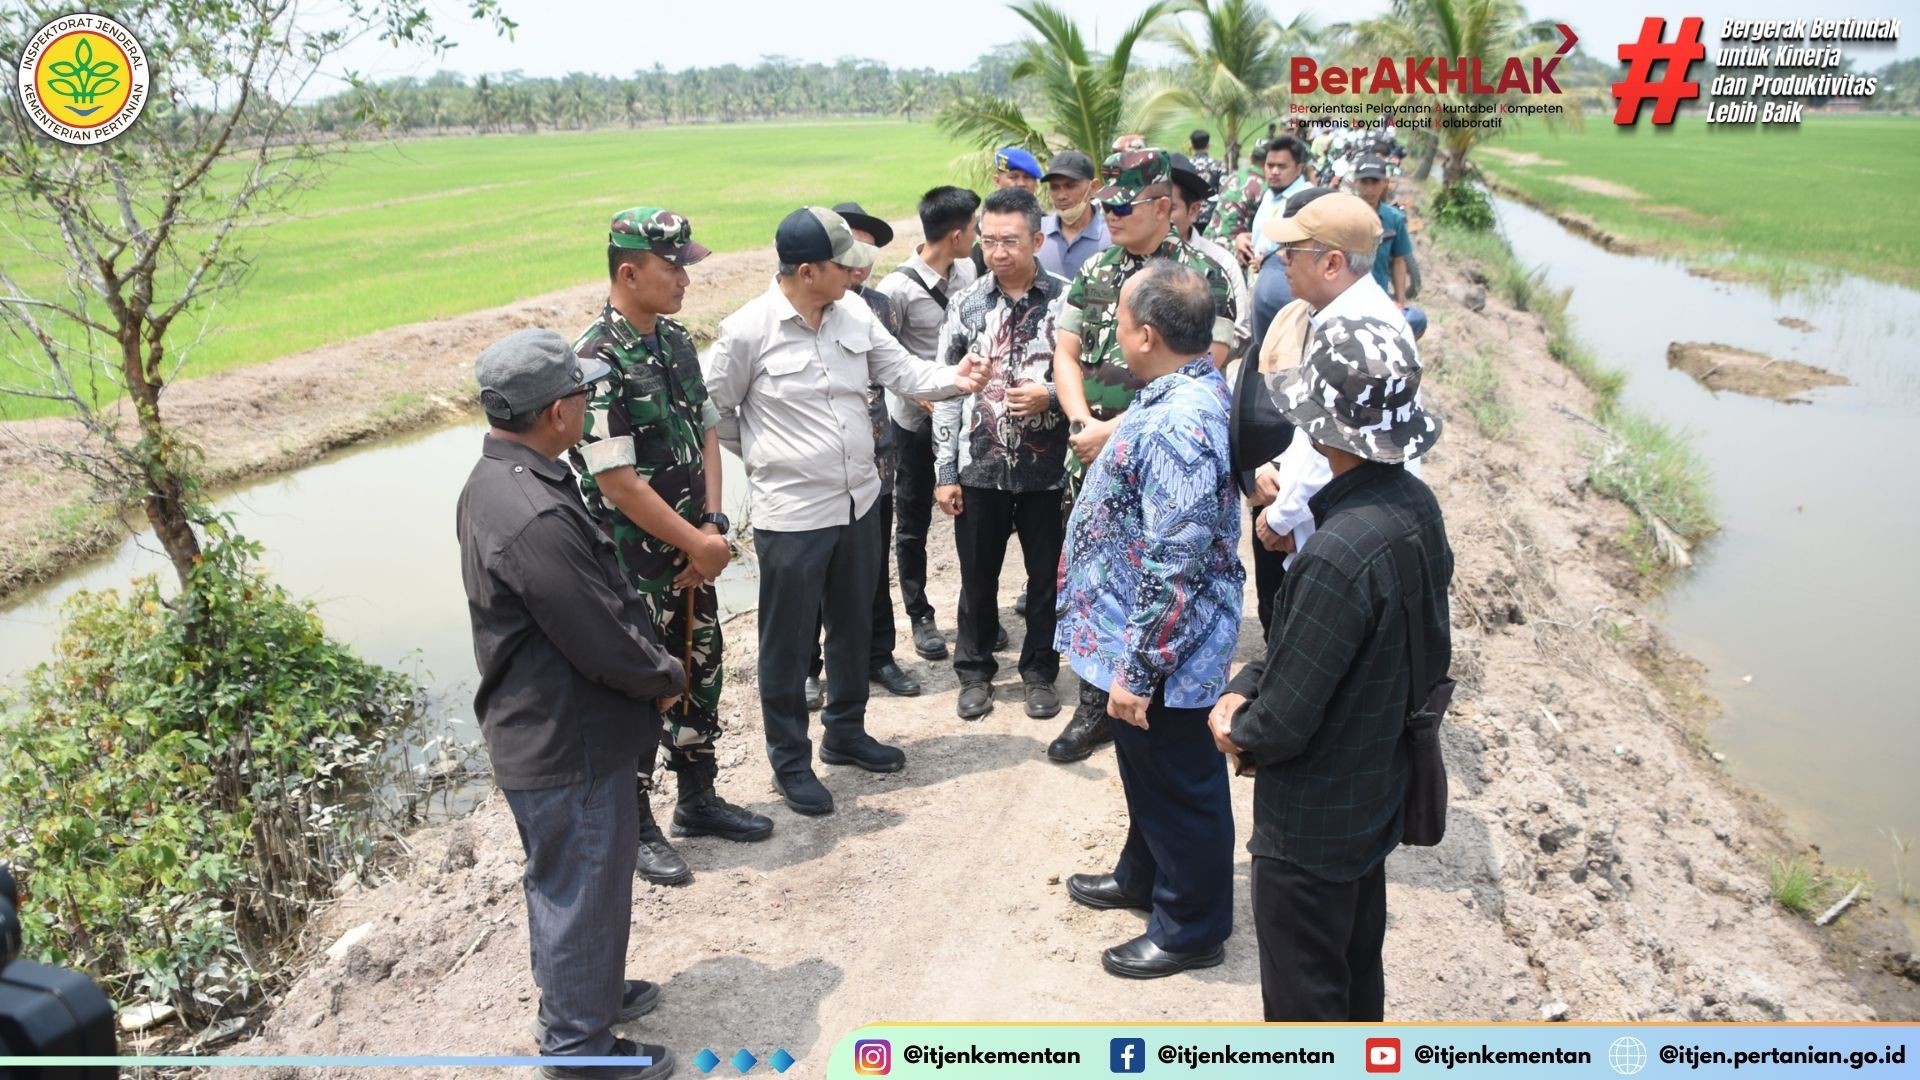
(1142, 959)
(1001, 643)
(895, 679)
(927, 640)
(976, 701)
(866, 752)
(1020, 603)
(1042, 702)
(1100, 891)
(660, 1069)
(804, 793)
(816, 693)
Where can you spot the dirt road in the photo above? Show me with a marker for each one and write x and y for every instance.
(1598, 865)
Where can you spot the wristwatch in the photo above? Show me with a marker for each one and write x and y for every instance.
(718, 520)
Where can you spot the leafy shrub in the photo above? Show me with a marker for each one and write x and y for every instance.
(1463, 205)
(182, 781)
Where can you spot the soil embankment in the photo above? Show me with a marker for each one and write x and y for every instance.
(1598, 865)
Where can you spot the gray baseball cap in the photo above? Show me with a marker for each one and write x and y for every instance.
(528, 370)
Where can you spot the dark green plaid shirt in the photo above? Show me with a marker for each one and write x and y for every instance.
(1328, 705)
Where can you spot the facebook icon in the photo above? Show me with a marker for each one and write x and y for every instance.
(1129, 1055)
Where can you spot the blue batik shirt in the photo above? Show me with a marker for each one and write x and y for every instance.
(1150, 579)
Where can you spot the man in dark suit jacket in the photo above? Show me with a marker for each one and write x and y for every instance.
(1322, 717)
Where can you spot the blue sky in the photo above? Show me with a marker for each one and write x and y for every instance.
(617, 38)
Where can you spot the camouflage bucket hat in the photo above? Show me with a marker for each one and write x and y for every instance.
(1359, 390)
(1130, 173)
(663, 232)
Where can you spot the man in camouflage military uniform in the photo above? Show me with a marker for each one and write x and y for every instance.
(1091, 377)
(1239, 199)
(1212, 170)
(649, 468)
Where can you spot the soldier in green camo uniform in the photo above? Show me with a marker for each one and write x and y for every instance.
(1091, 377)
(649, 467)
(1239, 199)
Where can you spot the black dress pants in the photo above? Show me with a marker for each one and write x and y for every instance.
(1320, 943)
(1269, 573)
(880, 652)
(819, 577)
(1179, 849)
(987, 520)
(913, 502)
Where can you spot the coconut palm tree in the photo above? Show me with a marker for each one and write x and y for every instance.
(1236, 65)
(1082, 95)
(1492, 30)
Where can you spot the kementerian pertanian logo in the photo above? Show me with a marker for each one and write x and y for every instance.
(83, 79)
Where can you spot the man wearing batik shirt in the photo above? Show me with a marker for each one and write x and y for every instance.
(1149, 612)
(1000, 455)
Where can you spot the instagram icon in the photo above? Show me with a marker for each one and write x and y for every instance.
(872, 1057)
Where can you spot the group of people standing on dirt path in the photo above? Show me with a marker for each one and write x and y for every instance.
(1057, 377)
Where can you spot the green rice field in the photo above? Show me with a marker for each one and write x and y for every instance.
(1835, 191)
(401, 232)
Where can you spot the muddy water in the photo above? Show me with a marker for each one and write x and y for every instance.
(1803, 607)
(368, 535)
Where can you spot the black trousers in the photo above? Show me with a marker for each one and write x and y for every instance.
(581, 841)
(987, 520)
(880, 652)
(1320, 943)
(820, 577)
(1179, 849)
(913, 501)
(1269, 573)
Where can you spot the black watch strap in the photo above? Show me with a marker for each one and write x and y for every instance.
(719, 520)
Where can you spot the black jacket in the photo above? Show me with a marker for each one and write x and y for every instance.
(1328, 704)
(569, 668)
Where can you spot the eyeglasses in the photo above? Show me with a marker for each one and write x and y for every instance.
(1125, 209)
(1287, 250)
(1009, 243)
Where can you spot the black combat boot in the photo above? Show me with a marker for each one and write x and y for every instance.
(658, 862)
(702, 812)
(1086, 730)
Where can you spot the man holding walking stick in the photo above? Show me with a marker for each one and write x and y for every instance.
(650, 470)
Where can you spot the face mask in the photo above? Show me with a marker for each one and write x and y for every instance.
(1073, 216)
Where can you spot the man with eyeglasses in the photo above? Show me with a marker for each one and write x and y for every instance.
(1092, 379)
(789, 374)
(649, 467)
(1000, 455)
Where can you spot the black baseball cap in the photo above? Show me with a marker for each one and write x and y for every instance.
(1371, 167)
(1070, 165)
(881, 232)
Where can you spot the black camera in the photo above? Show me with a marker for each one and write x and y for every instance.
(45, 1010)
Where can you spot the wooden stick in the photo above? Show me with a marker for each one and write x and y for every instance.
(1834, 911)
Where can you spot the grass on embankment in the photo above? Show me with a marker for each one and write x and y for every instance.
(1650, 467)
(397, 233)
(1834, 192)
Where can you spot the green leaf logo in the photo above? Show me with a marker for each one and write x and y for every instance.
(82, 80)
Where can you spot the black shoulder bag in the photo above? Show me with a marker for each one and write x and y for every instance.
(939, 294)
(1425, 809)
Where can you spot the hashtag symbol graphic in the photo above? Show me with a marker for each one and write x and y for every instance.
(1673, 87)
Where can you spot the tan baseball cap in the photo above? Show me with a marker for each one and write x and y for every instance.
(1340, 221)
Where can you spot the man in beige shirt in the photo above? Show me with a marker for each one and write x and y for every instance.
(788, 376)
